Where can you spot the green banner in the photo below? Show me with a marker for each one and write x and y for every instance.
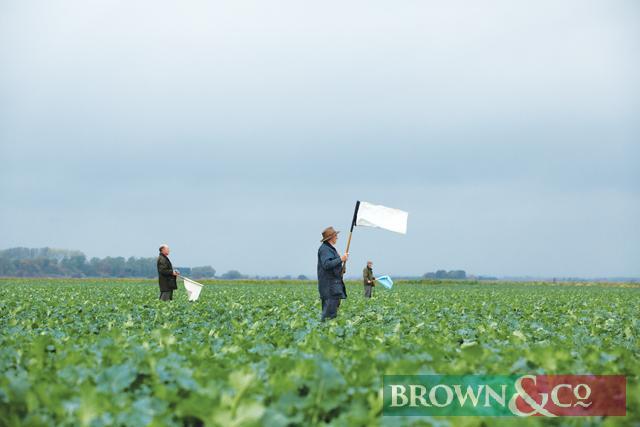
(448, 395)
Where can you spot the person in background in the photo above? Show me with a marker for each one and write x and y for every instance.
(368, 279)
(330, 284)
(166, 275)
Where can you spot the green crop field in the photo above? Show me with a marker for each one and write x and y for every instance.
(106, 352)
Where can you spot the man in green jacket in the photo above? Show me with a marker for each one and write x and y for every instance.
(166, 274)
(368, 279)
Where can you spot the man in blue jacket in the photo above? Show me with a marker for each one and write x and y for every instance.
(330, 283)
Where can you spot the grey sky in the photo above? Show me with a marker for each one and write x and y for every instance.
(236, 131)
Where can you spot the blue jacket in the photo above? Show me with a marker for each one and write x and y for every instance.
(330, 283)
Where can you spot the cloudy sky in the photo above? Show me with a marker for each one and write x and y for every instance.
(237, 130)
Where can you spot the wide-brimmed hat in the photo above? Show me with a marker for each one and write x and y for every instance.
(328, 233)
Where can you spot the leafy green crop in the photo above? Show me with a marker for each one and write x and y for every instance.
(107, 352)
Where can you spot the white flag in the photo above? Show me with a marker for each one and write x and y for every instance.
(193, 288)
(378, 216)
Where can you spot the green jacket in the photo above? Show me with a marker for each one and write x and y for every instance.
(367, 274)
(166, 279)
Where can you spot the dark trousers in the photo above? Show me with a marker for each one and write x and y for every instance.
(330, 308)
(368, 289)
(166, 296)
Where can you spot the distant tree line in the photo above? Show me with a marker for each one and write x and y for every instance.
(236, 275)
(443, 274)
(49, 262)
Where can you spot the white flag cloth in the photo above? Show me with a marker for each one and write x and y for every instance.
(193, 288)
(370, 215)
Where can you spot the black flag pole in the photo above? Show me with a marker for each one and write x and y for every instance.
(353, 224)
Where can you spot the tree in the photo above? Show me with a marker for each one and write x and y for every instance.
(457, 274)
(443, 274)
(233, 275)
(73, 265)
(203, 272)
(7, 267)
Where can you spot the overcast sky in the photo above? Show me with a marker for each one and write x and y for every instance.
(237, 130)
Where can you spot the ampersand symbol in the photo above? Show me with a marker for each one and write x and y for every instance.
(536, 408)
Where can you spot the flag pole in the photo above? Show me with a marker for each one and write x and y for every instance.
(353, 224)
